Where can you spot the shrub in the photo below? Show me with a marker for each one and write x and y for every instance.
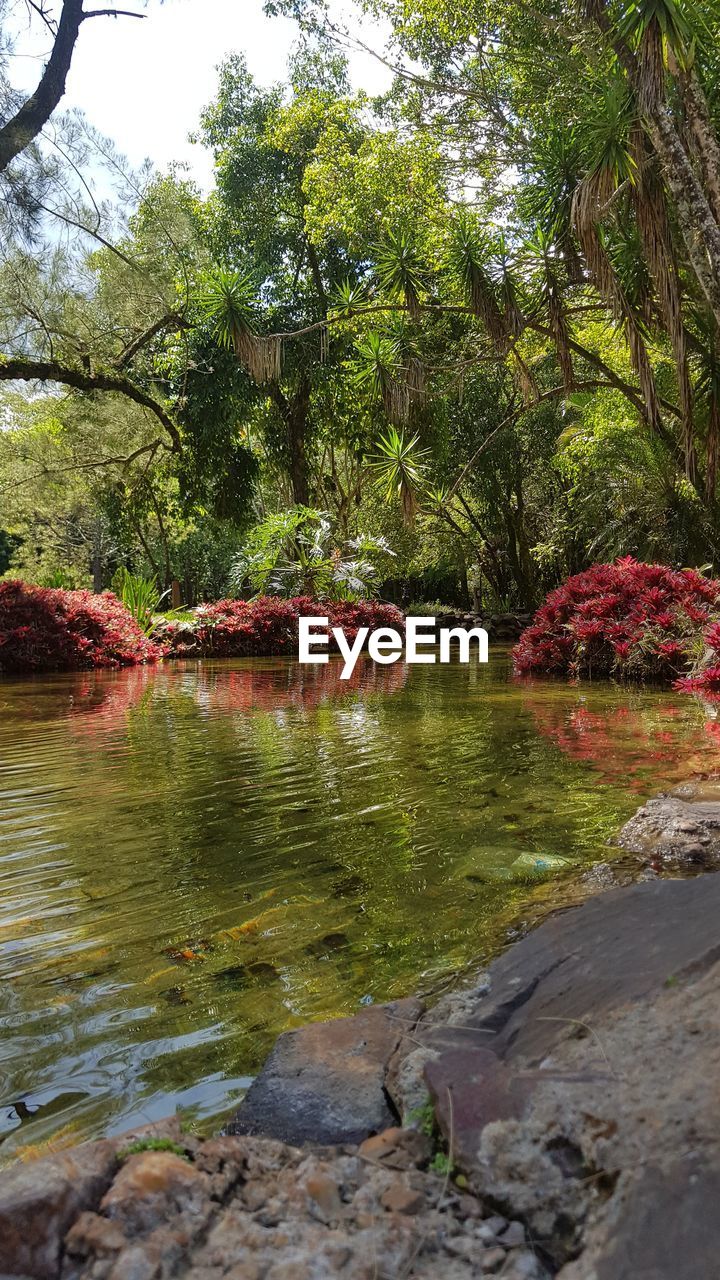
(269, 625)
(48, 629)
(705, 678)
(431, 608)
(625, 619)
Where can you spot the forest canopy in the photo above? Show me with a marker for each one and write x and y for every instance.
(472, 322)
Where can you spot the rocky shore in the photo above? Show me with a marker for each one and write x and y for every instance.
(556, 1118)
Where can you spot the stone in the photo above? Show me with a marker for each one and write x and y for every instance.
(323, 1191)
(513, 1236)
(40, 1200)
(94, 1236)
(402, 1199)
(667, 1227)
(523, 1266)
(680, 829)
(493, 1260)
(397, 1148)
(471, 1088)
(325, 1083)
(152, 1185)
(617, 948)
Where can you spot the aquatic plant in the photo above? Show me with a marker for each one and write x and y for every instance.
(627, 619)
(49, 629)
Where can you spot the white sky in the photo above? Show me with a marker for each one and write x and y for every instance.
(144, 83)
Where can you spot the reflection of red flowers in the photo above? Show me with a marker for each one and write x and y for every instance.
(621, 744)
(103, 702)
(625, 618)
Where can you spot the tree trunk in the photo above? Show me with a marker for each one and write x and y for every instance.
(702, 134)
(700, 231)
(297, 421)
(35, 112)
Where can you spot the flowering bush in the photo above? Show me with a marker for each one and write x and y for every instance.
(624, 619)
(48, 629)
(269, 625)
(706, 676)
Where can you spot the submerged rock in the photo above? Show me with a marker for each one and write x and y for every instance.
(574, 1086)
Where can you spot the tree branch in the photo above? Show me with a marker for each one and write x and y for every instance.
(19, 369)
(171, 321)
(18, 132)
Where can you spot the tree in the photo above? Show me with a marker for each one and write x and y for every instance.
(22, 126)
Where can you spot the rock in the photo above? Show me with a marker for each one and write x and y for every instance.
(401, 1199)
(523, 1265)
(325, 1082)
(40, 1200)
(681, 829)
(323, 1191)
(513, 1236)
(619, 947)
(470, 1089)
(665, 1227)
(493, 1260)
(397, 1148)
(149, 1185)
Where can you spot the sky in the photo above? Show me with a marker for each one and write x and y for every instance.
(144, 83)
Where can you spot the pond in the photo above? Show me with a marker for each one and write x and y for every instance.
(195, 857)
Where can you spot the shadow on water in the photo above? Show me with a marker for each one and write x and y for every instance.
(198, 856)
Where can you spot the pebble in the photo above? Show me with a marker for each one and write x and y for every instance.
(492, 1260)
(513, 1236)
(523, 1266)
(496, 1223)
(400, 1199)
(323, 1191)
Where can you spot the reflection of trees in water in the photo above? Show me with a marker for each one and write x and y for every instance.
(249, 844)
(98, 699)
(623, 743)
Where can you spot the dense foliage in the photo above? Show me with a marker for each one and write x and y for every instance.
(474, 321)
(269, 625)
(625, 619)
(46, 629)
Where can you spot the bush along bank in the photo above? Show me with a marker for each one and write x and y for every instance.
(48, 629)
(628, 620)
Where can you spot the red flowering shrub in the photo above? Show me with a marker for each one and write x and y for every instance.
(706, 675)
(46, 629)
(627, 619)
(269, 625)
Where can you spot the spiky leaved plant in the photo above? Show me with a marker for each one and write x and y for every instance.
(399, 466)
(227, 302)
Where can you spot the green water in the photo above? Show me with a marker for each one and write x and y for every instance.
(195, 857)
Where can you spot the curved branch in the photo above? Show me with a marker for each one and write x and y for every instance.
(592, 384)
(19, 369)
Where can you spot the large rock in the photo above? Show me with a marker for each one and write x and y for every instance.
(681, 829)
(325, 1082)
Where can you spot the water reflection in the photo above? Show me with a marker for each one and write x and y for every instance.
(195, 857)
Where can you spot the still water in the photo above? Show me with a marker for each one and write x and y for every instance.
(198, 856)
